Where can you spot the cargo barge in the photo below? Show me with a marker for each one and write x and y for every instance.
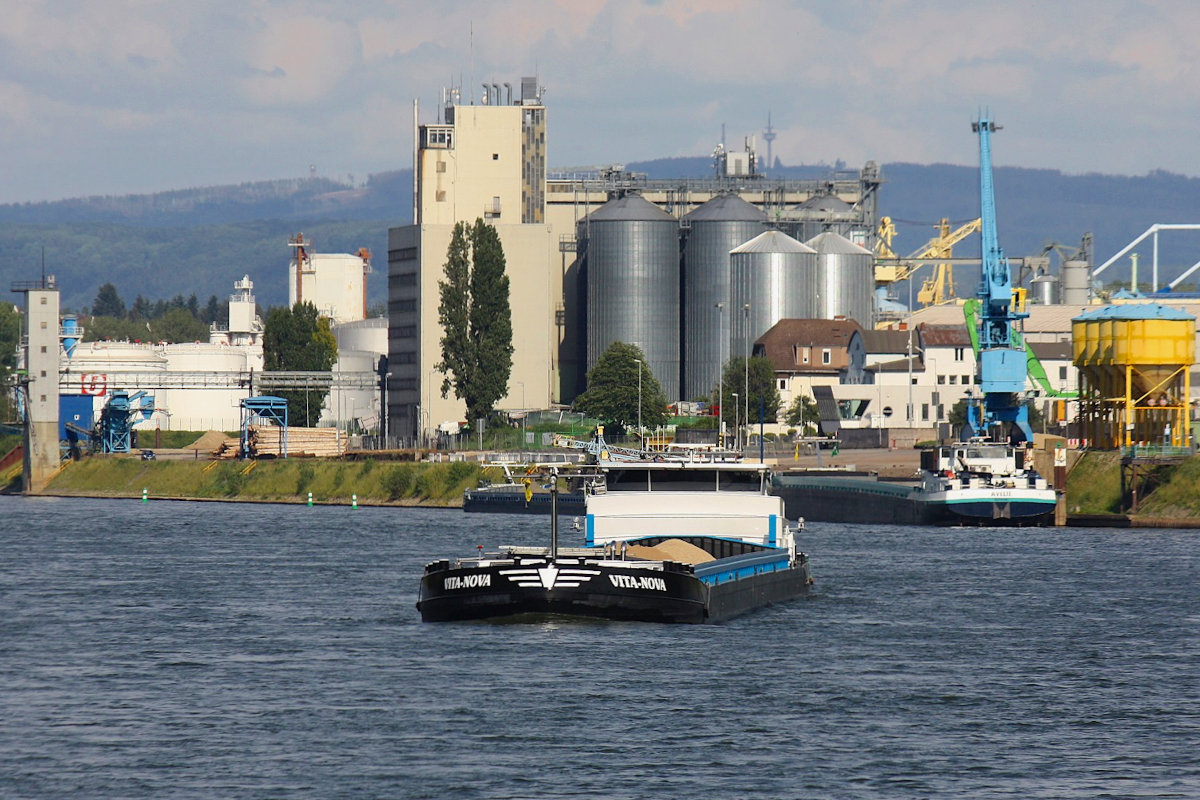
(966, 483)
(684, 541)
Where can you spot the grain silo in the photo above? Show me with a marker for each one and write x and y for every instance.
(819, 213)
(1074, 278)
(712, 231)
(845, 278)
(631, 252)
(770, 279)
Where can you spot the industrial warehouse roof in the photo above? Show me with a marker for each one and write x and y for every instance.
(629, 208)
(945, 335)
(779, 342)
(726, 208)
(1043, 319)
(1052, 351)
(1135, 311)
(836, 244)
(900, 365)
(773, 242)
(887, 341)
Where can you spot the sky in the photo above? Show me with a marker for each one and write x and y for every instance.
(131, 96)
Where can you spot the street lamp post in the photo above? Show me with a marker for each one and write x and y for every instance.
(735, 416)
(720, 376)
(524, 412)
(641, 435)
(910, 352)
(746, 386)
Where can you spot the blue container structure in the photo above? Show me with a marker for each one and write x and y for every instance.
(118, 417)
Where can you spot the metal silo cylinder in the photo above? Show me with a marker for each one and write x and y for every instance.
(771, 274)
(632, 261)
(1074, 276)
(713, 229)
(844, 278)
(1044, 290)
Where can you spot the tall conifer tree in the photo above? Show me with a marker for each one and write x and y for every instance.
(476, 319)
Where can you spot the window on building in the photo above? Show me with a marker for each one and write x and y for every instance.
(43, 303)
(805, 354)
(440, 196)
(958, 354)
(925, 412)
(441, 166)
(783, 383)
(914, 381)
(941, 409)
(495, 156)
(967, 380)
(1062, 373)
(953, 379)
(826, 356)
(43, 324)
(43, 348)
(406, 358)
(941, 380)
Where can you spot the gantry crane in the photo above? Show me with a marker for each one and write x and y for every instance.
(1000, 355)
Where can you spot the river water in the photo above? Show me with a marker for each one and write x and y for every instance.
(210, 650)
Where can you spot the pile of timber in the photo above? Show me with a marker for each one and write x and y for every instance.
(229, 448)
(267, 441)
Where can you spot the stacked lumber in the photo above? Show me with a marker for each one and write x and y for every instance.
(266, 440)
(229, 448)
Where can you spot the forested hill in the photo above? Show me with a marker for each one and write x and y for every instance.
(201, 240)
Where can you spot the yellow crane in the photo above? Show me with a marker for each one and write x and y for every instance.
(937, 289)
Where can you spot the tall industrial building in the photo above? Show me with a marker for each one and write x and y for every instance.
(569, 255)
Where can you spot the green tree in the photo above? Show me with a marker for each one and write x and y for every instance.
(98, 329)
(211, 311)
(178, 325)
(142, 308)
(108, 303)
(958, 414)
(803, 413)
(476, 319)
(10, 337)
(764, 394)
(297, 338)
(612, 390)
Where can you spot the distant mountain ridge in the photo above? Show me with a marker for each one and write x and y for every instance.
(201, 240)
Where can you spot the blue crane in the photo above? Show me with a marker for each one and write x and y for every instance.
(1001, 355)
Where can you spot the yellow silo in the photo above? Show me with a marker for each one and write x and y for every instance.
(1135, 381)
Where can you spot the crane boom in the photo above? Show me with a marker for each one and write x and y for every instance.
(1002, 359)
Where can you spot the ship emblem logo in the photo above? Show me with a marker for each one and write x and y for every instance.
(550, 577)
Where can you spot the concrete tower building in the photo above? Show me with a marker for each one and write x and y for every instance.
(41, 383)
(477, 162)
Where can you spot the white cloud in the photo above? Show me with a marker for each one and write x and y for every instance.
(168, 93)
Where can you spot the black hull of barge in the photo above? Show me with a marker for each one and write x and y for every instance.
(682, 599)
(862, 505)
(482, 501)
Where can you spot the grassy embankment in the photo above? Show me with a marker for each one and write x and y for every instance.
(1094, 487)
(285, 480)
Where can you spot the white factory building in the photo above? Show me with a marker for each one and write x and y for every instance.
(198, 386)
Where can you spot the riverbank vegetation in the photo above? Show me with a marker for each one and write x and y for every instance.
(284, 480)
